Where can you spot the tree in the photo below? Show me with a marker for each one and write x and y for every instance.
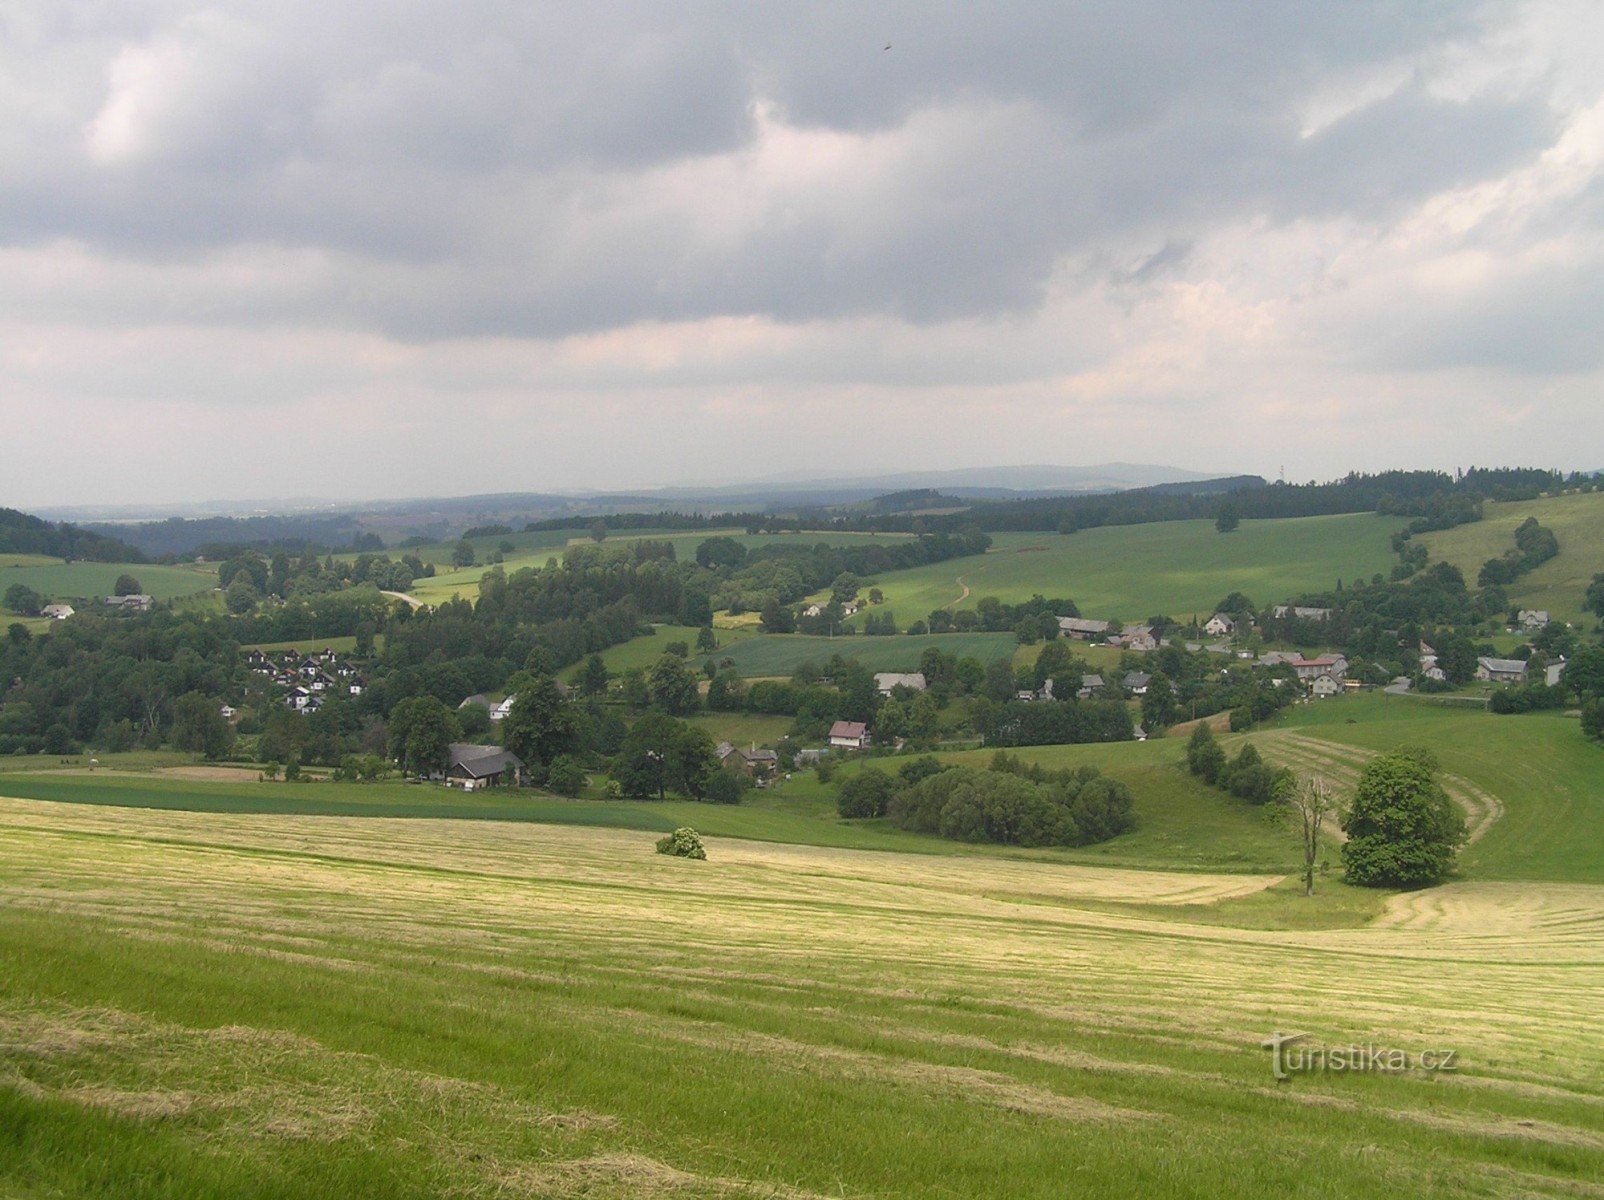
(1456, 655)
(199, 726)
(241, 595)
(1594, 599)
(865, 794)
(1583, 676)
(421, 732)
(1593, 719)
(1158, 704)
(1204, 757)
(593, 680)
(672, 686)
(127, 585)
(706, 640)
(777, 617)
(1310, 802)
(540, 726)
(565, 776)
(598, 531)
(1228, 518)
(660, 753)
(1235, 603)
(23, 600)
(845, 588)
(1403, 830)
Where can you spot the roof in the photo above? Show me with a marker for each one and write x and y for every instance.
(1136, 679)
(1091, 681)
(759, 756)
(886, 680)
(478, 762)
(1510, 666)
(848, 729)
(479, 698)
(1081, 625)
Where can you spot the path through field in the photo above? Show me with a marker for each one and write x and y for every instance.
(963, 595)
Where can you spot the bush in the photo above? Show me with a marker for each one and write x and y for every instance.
(1204, 757)
(565, 776)
(682, 843)
(726, 787)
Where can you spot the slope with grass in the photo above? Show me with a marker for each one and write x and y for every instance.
(781, 654)
(214, 1005)
(1558, 585)
(85, 580)
(1178, 568)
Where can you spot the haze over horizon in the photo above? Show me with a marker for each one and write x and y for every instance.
(339, 250)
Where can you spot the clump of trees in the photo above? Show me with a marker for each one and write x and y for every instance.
(1534, 545)
(1403, 830)
(1007, 803)
(1247, 776)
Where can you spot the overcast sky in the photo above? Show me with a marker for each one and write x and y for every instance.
(365, 249)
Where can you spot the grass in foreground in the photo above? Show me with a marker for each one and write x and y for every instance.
(215, 1005)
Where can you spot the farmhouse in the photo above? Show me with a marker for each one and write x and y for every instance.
(1081, 628)
(135, 603)
(1090, 685)
(56, 612)
(1135, 682)
(1310, 669)
(753, 763)
(885, 681)
(1532, 618)
(1323, 686)
(1138, 637)
(473, 767)
(850, 735)
(1219, 625)
(1500, 670)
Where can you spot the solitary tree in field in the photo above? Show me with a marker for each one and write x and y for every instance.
(1310, 802)
(598, 532)
(1229, 518)
(1403, 830)
(127, 585)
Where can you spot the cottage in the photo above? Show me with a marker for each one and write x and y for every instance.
(1552, 673)
(472, 767)
(1532, 618)
(813, 610)
(1324, 685)
(135, 603)
(56, 612)
(500, 711)
(1138, 637)
(1500, 670)
(1219, 625)
(1090, 685)
(850, 735)
(885, 681)
(757, 764)
(1310, 669)
(1082, 629)
(1135, 682)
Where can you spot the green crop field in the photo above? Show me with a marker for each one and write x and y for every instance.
(642, 652)
(1129, 572)
(1557, 585)
(84, 580)
(781, 654)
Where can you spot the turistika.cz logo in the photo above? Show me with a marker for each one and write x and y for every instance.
(1289, 1057)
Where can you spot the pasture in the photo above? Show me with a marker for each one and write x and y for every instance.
(211, 1004)
(781, 654)
(642, 652)
(76, 581)
(1558, 585)
(1129, 572)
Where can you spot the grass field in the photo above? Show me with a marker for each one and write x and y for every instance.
(642, 652)
(220, 1005)
(1178, 568)
(83, 580)
(1557, 585)
(772, 655)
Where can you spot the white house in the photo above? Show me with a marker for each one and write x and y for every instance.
(1324, 686)
(850, 735)
(1281, 611)
(1138, 637)
(56, 612)
(499, 713)
(1219, 625)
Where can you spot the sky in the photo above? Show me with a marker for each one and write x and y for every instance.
(361, 250)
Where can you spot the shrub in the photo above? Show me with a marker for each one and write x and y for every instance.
(865, 794)
(726, 787)
(682, 843)
(1204, 757)
(565, 776)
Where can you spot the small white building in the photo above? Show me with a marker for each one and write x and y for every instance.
(56, 612)
(1324, 686)
(849, 735)
(1219, 625)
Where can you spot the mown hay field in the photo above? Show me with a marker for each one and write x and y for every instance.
(220, 1005)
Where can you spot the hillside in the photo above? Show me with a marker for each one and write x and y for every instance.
(23, 534)
(1557, 585)
(1133, 571)
(78, 581)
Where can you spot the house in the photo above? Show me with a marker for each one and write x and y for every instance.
(885, 681)
(850, 735)
(478, 698)
(473, 767)
(1082, 629)
(1282, 611)
(1500, 670)
(135, 603)
(1552, 673)
(1310, 669)
(810, 758)
(1274, 658)
(758, 764)
(499, 713)
(1219, 625)
(813, 610)
(1139, 733)
(1090, 685)
(1532, 618)
(1138, 637)
(1135, 682)
(299, 698)
(56, 612)
(228, 712)
(1324, 685)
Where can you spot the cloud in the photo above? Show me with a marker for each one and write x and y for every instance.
(1103, 216)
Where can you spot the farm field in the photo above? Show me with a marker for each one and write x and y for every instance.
(84, 580)
(781, 654)
(1178, 568)
(1559, 584)
(289, 1006)
(642, 652)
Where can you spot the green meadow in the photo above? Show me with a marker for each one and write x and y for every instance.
(1559, 584)
(781, 654)
(1178, 568)
(86, 580)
